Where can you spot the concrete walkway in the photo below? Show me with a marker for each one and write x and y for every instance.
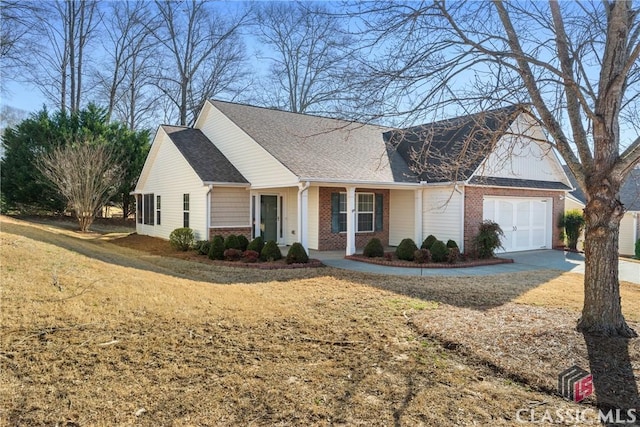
(523, 261)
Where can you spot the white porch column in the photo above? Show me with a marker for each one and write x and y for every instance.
(303, 214)
(351, 220)
(417, 224)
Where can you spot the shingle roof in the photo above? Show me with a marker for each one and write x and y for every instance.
(629, 192)
(520, 183)
(320, 147)
(451, 150)
(204, 157)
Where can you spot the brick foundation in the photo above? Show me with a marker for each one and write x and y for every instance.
(473, 205)
(224, 232)
(336, 241)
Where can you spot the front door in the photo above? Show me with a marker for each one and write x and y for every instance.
(269, 217)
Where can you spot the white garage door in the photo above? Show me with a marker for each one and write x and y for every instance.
(526, 222)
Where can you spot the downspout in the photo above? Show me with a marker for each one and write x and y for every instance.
(302, 232)
(462, 216)
(209, 211)
(636, 232)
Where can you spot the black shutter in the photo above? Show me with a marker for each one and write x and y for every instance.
(335, 212)
(379, 212)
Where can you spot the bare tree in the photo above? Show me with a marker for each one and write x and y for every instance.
(204, 54)
(311, 56)
(576, 64)
(57, 67)
(126, 78)
(17, 19)
(85, 174)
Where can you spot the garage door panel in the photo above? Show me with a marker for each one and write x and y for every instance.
(523, 221)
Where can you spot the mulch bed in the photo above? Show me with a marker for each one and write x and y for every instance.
(161, 247)
(409, 264)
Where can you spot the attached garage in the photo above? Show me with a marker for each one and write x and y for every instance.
(527, 222)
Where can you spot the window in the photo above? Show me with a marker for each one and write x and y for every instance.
(147, 205)
(364, 211)
(158, 206)
(369, 211)
(185, 209)
(139, 208)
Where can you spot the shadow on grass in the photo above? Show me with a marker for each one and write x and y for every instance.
(613, 379)
(104, 251)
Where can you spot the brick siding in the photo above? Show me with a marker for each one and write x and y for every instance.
(335, 241)
(473, 205)
(224, 232)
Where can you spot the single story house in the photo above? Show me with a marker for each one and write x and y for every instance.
(334, 184)
(630, 198)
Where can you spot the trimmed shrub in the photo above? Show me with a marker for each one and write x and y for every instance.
(270, 252)
(181, 239)
(297, 254)
(439, 251)
(232, 242)
(638, 249)
(452, 244)
(406, 249)
(256, 244)
(453, 256)
(573, 224)
(216, 248)
(374, 248)
(430, 240)
(244, 242)
(488, 239)
(250, 256)
(422, 256)
(202, 246)
(232, 254)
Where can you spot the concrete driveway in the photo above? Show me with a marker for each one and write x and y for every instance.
(523, 261)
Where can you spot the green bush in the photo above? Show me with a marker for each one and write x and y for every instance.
(216, 249)
(181, 239)
(297, 254)
(270, 252)
(452, 244)
(488, 239)
(422, 256)
(406, 249)
(430, 240)
(244, 242)
(256, 244)
(202, 246)
(232, 242)
(439, 251)
(638, 249)
(373, 249)
(573, 224)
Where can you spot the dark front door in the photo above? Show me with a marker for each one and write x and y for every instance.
(269, 217)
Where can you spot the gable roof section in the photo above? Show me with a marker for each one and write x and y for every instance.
(629, 192)
(204, 157)
(320, 148)
(452, 150)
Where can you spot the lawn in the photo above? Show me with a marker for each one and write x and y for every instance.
(94, 333)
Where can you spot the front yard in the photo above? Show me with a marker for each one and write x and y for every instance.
(97, 334)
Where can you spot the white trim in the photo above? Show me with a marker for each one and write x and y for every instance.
(462, 216)
(225, 184)
(417, 220)
(351, 223)
(214, 227)
(517, 188)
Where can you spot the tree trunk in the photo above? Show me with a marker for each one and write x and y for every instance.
(602, 311)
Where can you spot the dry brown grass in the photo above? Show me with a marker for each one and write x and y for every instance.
(96, 334)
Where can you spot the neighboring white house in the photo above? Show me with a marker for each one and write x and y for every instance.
(630, 198)
(334, 184)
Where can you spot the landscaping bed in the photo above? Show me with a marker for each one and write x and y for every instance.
(391, 261)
